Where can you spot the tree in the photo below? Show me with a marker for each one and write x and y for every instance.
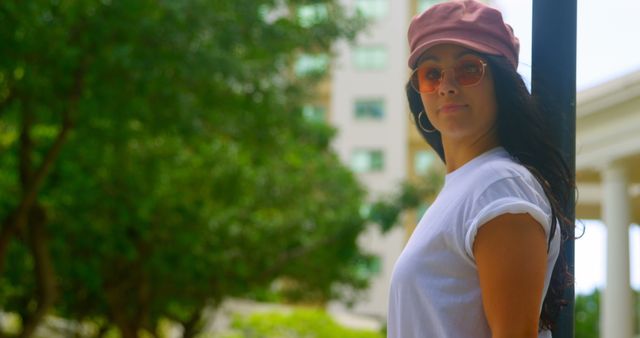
(155, 160)
(411, 194)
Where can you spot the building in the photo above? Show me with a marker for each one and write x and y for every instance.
(369, 111)
(365, 100)
(608, 178)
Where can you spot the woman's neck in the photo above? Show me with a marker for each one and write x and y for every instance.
(459, 152)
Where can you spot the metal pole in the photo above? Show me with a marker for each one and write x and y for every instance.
(553, 74)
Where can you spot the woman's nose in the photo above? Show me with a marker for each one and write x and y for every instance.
(448, 84)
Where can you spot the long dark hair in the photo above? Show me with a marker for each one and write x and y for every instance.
(521, 131)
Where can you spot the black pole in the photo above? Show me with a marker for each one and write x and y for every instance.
(553, 79)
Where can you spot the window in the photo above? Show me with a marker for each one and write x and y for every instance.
(422, 161)
(367, 267)
(421, 209)
(365, 210)
(310, 15)
(369, 109)
(372, 8)
(367, 161)
(308, 64)
(314, 113)
(424, 4)
(370, 58)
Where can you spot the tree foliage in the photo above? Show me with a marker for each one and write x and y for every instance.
(411, 194)
(155, 160)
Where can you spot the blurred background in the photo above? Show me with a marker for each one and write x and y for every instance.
(249, 168)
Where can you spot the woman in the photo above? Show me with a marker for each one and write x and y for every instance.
(480, 263)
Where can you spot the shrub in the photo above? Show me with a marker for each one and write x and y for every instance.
(301, 323)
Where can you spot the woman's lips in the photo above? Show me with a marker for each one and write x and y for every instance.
(448, 108)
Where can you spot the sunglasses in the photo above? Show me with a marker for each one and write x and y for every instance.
(467, 71)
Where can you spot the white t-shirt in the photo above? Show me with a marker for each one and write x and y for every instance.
(435, 291)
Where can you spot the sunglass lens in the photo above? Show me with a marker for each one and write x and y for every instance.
(427, 78)
(469, 72)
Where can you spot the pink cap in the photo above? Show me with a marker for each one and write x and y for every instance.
(467, 23)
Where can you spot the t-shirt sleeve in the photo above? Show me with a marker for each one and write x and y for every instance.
(513, 195)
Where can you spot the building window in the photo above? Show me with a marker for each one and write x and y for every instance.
(374, 9)
(369, 109)
(367, 161)
(308, 64)
(365, 210)
(367, 268)
(424, 4)
(370, 57)
(420, 210)
(315, 113)
(422, 161)
(310, 15)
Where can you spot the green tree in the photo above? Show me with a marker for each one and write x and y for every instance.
(155, 160)
(411, 194)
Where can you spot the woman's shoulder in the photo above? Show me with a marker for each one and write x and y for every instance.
(501, 166)
(507, 177)
(503, 176)
(495, 171)
(505, 167)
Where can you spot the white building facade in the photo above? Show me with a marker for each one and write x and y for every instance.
(369, 110)
(608, 178)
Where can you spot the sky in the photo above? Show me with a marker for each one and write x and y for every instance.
(607, 39)
(607, 47)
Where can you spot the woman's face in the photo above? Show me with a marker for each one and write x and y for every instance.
(461, 113)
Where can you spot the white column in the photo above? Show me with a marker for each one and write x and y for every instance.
(617, 310)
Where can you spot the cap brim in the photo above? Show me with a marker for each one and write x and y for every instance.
(417, 53)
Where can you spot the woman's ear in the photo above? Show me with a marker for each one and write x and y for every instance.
(415, 105)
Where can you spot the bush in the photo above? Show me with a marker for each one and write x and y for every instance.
(302, 323)
(587, 315)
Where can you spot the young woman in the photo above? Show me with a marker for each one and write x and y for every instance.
(480, 263)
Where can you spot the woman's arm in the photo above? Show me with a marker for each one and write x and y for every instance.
(511, 256)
